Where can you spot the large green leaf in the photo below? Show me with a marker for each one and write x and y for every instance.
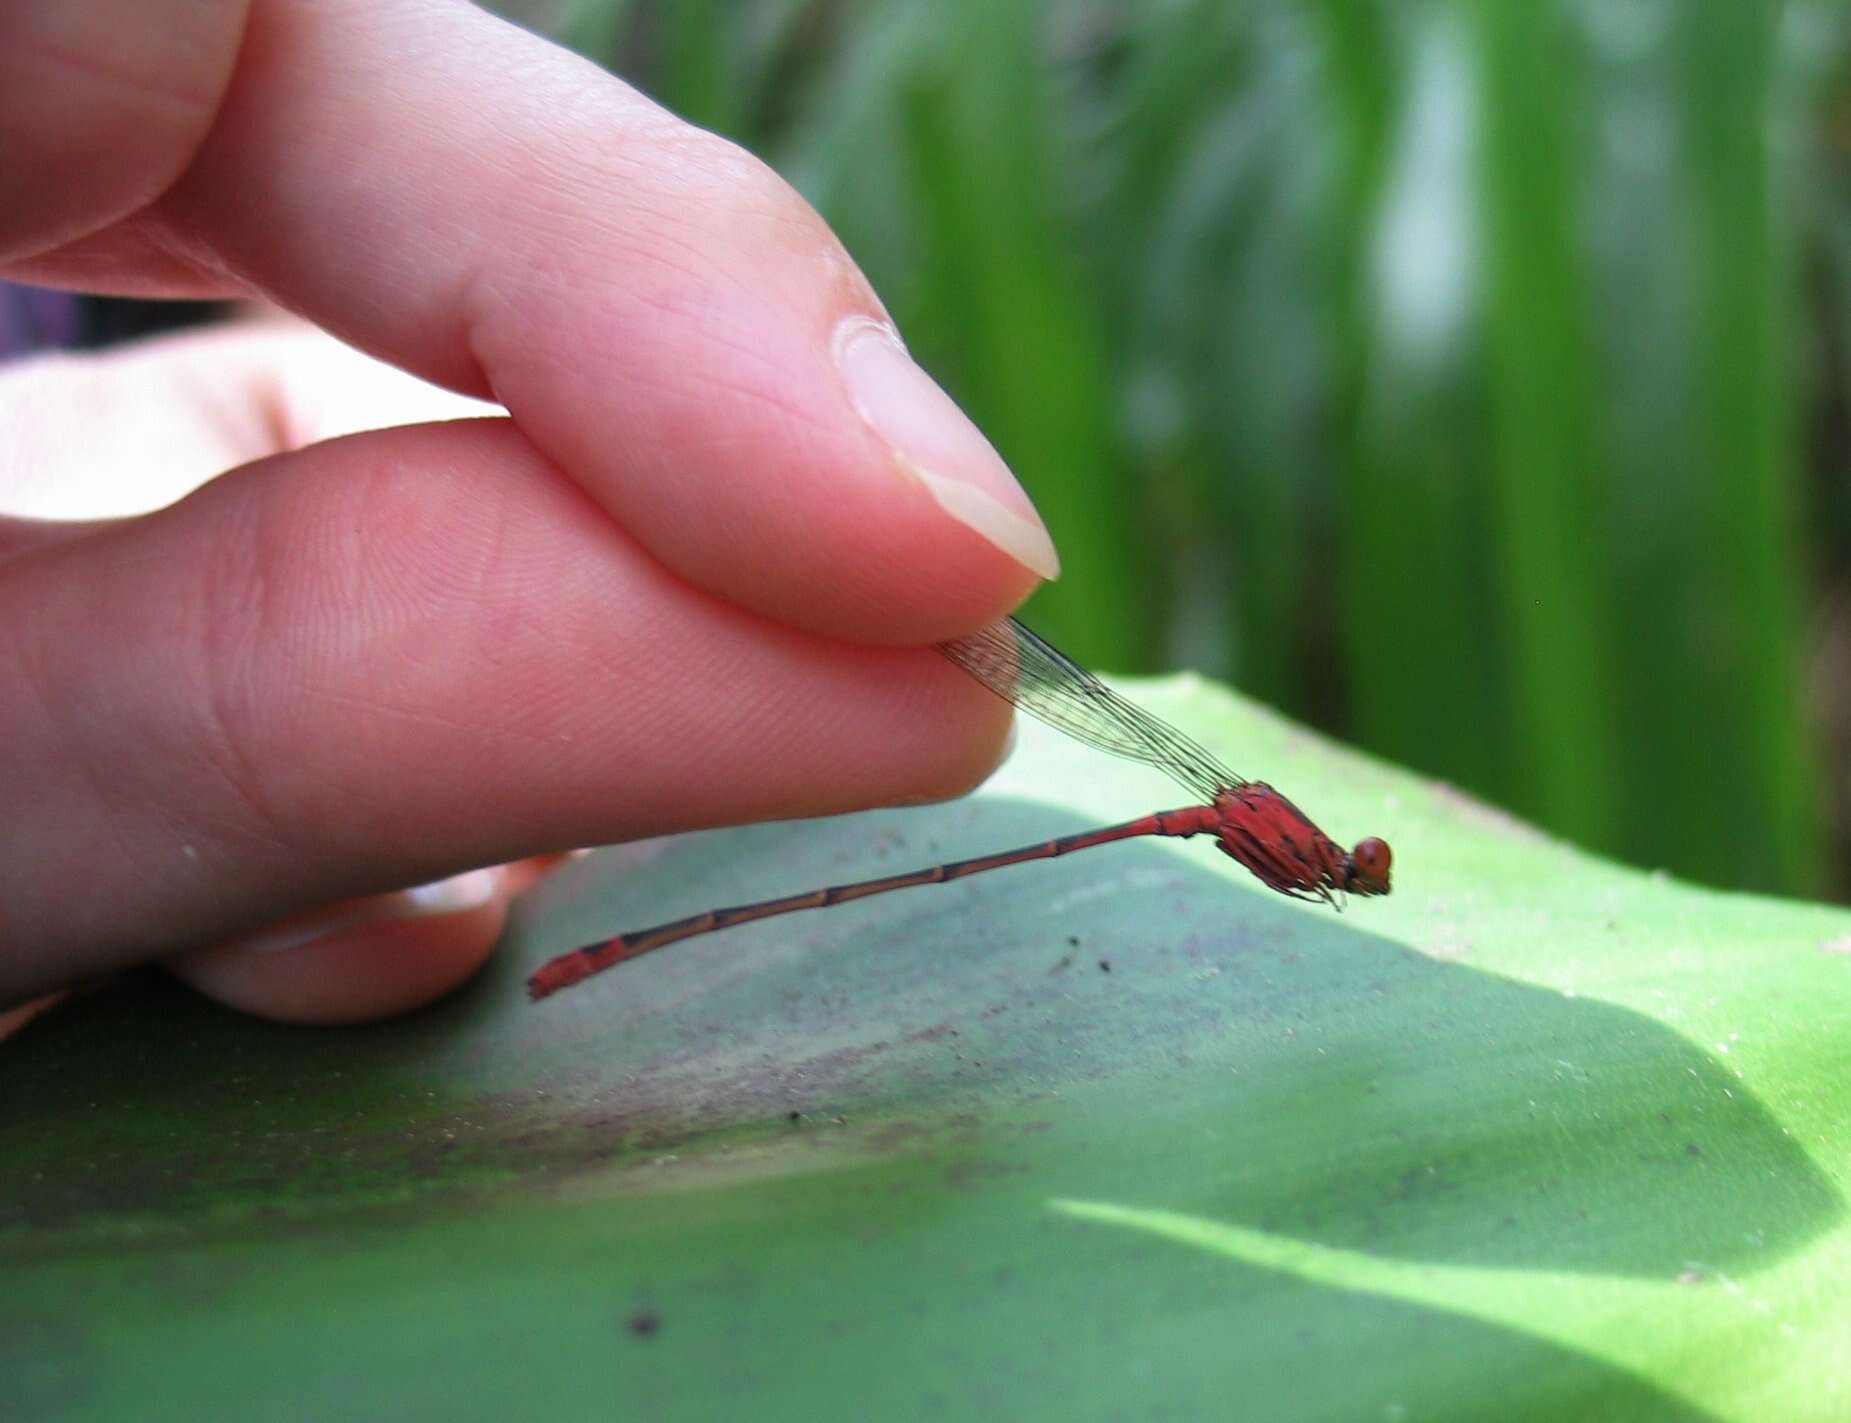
(1538, 1137)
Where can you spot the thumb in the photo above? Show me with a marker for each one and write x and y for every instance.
(387, 659)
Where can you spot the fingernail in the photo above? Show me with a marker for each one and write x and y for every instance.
(934, 442)
(470, 890)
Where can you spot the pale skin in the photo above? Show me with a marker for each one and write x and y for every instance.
(690, 579)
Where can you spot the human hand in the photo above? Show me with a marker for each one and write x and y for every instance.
(688, 582)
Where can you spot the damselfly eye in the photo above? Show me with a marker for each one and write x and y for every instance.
(1372, 859)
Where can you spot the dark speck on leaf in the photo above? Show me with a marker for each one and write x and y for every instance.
(1105, 965)
(796, 1116)
(644, 1323)
(1073, 941)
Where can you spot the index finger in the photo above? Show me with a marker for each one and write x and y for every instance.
(661, 314)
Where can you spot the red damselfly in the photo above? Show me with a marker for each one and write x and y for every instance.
(1249, 819)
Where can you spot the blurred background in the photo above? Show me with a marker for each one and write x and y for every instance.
(1465, 377)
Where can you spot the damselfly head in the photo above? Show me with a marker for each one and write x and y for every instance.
(1365, 869)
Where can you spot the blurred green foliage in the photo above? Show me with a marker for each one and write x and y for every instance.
(1444, 371)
